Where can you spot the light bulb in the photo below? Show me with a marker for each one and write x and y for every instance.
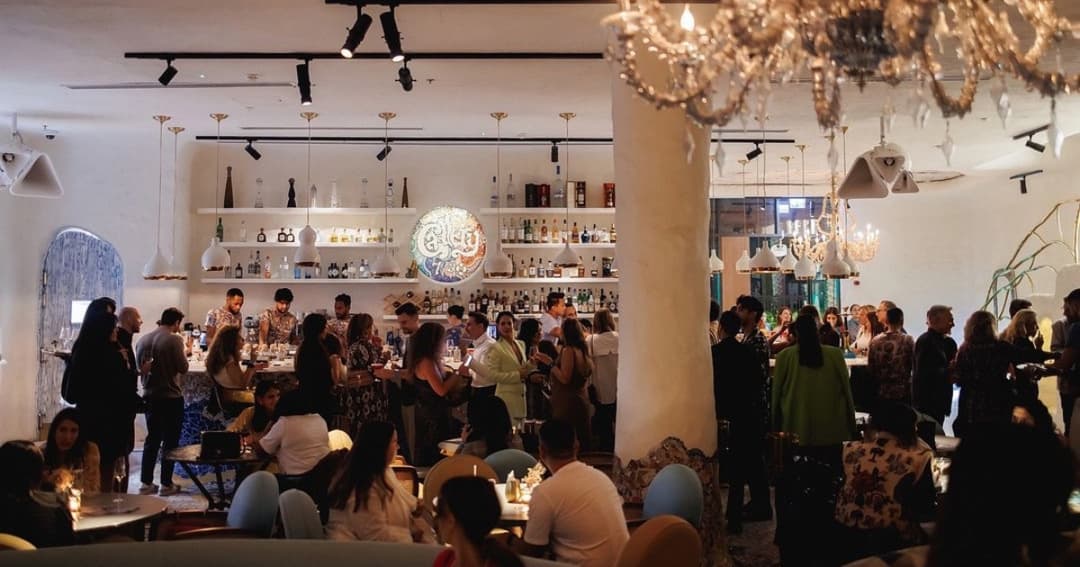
(687, 19)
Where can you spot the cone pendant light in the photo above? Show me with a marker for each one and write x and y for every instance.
(498, 264)
(307, 254)
(385, 266)
(174, 271)
(567, 258)
(216, 258)
(157, 268)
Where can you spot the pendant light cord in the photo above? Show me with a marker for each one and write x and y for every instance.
(160, 177)
(217, 170)
(386, 181)
(310, 194)
(566, 182)
(172, 240)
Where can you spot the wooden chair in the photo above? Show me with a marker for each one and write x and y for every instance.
(9, 542)
(458, 465)
(408, 477)
(664, 540)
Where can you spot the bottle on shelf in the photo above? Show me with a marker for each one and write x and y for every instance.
(313, 196)
(281, 236)
(292, 194)
(266, 272)
(494, 199)
(556, 238)
(579, 194)
(405, 193)
(609, 195)
(543, 231)
(520, 238)
(564, 233)
(574, 234)
(229, 200)
(595, 234)
(391, 237)
(605, 269)
(239, 272)
(550, 272)
(255, 266)
(258, 193)
(261, 237)
(335, 202)
(580, 267)
(558, 198)
(584, 234)
(219, 231)
(532, 268)
(530, 195)
(595, 273)
(283, 269)
(243, 232)
(544, 193)
(363, 193)
(523, 271)
(511, 192)
(557, 272)
(290, 237)
(390, 192)
(611, 233)
(504, 231)
(382, 235)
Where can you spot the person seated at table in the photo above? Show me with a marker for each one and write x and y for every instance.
(367, 502)
(465, 513)
(223, 363)
(578, 512)
(40, 517)
(71, 459)
(488, 430)
(255, 422)
(299, 437)
(888, 487)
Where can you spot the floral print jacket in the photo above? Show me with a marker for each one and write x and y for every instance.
(886, 486)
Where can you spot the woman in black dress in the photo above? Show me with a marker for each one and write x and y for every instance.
(433, 384)
(569, 377)
(317, 369)
(362, 400)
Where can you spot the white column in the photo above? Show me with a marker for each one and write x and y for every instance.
(665, 367)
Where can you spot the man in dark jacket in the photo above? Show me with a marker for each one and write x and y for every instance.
(737, 390)
(934, 352)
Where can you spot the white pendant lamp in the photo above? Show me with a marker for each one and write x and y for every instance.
(498, 264)
(853, 268)
(567, 258)
(834, 268)
(764, 262)
(788, 264)
(157, 268)
(805, 269)
(216, 258)
(307, 255)
(174, 271)
(385, 266)
(742, 265)
(716, 265)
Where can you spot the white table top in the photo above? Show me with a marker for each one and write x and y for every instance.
(99, 511)
(277, 366)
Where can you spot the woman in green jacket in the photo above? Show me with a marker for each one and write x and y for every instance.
(811, 391)
(509, 365)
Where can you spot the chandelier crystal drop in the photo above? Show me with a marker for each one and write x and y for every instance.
(719, 68)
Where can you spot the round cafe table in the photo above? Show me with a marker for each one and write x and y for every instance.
(100, 514)
(191, 455)
(516, 514)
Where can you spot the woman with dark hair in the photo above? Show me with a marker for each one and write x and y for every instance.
(317, 370)
(42, 518)
(869, 327)
(830, 328)
(101, 385)
(255, 422)
(299, 437)
(366, 500)
(604, 351)
(433, 384)
(489, 429)
(888, 487)
(569, 377)
(509, 366)
(529, 333)
(223, 360)
(362, 400)
(466, 512)
(71, 460)
(780, 337)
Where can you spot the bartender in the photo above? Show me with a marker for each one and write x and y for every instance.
(277, 324)
(339, 324)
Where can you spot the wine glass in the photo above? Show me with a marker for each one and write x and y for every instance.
(119, 474)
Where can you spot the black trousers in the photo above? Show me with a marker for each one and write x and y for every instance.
(1067, 401)
(604, 426)
(482, 392)
(747, 467)
(164, 419)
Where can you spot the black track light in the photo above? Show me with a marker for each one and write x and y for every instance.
(392, 35)
(356, 33)
(754, 152)
(385, 152)
(554, 152)
(303, 82)
(1035, 145)
(1023, 185)
(251, 151)
(1023, 179)
(405, 78)
(168, 74)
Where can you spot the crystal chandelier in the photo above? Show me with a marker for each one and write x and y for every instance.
(750, 44)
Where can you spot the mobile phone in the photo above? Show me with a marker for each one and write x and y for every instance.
(467, 361)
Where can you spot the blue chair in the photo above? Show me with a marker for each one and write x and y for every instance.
(676, 490)
(252, 513)
(510, 460)
(299, 516)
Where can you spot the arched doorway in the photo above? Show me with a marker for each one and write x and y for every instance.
(78, 267)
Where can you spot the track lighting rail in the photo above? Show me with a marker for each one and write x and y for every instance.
(452, 140)
(169, 56)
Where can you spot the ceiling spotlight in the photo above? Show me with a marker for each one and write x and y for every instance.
(754, 152)
(1035, 145)
(405, 77)
(356, 33)
(168, 74)
(392, 35)
(1023, 179)
(554, 152)
(1031, 143)
(250, 149)
(385, 152)
(303, 82)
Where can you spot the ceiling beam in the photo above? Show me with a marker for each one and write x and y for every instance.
(312, 56)
(452, 140)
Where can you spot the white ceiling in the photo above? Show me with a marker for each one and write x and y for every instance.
(49, 43)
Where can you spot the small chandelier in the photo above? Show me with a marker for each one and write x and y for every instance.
(749, 44)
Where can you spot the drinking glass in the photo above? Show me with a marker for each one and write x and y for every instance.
(119, 474)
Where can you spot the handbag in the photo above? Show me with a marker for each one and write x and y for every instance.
(458, 395)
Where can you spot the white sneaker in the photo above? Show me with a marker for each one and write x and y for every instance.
(169, 490)
(148, 488)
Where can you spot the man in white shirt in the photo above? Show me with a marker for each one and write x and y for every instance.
(476, 325)
(577, 513)
(551, 320)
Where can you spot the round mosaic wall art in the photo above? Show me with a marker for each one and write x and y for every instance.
(448, 244)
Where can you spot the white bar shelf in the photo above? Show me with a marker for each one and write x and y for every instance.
(554, 245)
(422, 316)
(559, 212)
(276, 244)
(442, 317)
(325, 211)
(281, 282)
(562, 281)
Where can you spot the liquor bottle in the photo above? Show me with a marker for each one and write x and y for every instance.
(494, 200)
(580, 267)
(444, 305)
(611, 233)
(532, 268)
(283, 270)
(239, 272)
(258, 193)
(609, 195)
(335, 202)
(584, 234)
(382, 235)
(220, 231)
(334, 236)
(243, 232)
(363, 193)
(352, 271)
(564, 233)
(229, 202)
(559, 195)
(362, 271)
(266, 268)
(484, 303)
(574, 234)
(281, 236)
(520, 230)
(544, 231)
(255, 265)
(526, 232)
(313, 196)
(472, 302)
(391, 237)
(261, 237)
(545, 195)
(556, 238)
(523, 272)
(389, 192)
(504, 232)
(290, 237)
(511, 192)
(594, 236)
(292, 194)
(579, 194)
(595, 271)
(550, 270)
(557, 273)
(405, 193)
